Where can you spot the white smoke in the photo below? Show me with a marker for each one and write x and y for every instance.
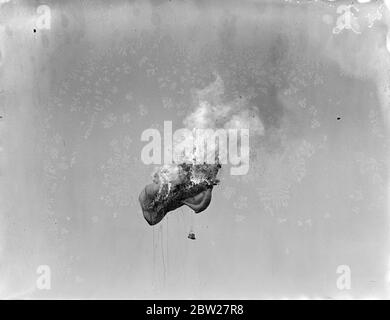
(213, 113)
(207, 135)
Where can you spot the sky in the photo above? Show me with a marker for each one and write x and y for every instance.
(76, 95)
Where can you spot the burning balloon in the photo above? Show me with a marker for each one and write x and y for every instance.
(189, 180)
(175, 186)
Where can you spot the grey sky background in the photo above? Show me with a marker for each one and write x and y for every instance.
(76, 98)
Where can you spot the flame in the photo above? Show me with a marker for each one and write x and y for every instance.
(211, 112)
